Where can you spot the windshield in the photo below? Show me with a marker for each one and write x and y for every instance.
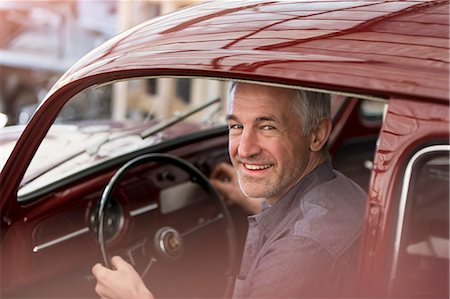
(107, 121)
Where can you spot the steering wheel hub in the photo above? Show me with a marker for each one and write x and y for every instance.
(169, 243)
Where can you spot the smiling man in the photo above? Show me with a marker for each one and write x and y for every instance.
(304, 242)
(267, 145)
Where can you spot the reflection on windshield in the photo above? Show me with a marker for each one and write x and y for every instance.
(104, 122)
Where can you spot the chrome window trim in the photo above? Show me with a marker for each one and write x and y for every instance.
(403, 201)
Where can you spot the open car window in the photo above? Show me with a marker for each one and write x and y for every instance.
(107, 121)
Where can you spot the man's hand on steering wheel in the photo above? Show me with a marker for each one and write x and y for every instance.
(123, 282)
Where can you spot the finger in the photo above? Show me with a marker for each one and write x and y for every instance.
(215, 173)
(230, 173)
(94, 268)
(227, 170)
(98, 270)
(219, 170)
(119, 263)
(220, 185)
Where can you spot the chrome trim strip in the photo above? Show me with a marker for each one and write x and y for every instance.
(402, 206)
(60, 239)
(143, 209)
(202, 224)
(82, 231)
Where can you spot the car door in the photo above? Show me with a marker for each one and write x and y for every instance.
(405, 243)
(420, 264)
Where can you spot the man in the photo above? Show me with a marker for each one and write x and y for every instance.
(303, 242)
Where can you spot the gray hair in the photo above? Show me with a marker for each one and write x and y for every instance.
(311, 106)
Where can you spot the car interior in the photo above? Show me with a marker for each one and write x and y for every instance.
(150, 202)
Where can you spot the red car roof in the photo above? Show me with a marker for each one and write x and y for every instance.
(385, 48)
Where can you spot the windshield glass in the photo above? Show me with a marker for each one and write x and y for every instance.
(106, 121)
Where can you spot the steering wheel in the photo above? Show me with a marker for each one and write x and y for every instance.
(169, 240)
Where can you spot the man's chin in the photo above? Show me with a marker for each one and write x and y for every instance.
(254, 187)
(253, 192)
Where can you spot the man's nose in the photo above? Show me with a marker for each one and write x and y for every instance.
(248, 144)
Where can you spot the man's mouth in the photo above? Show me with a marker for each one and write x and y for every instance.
(257, 167)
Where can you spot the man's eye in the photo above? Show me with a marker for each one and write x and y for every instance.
(235, 127)
(268, 127)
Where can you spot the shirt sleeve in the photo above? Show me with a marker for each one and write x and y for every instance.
(294, 266)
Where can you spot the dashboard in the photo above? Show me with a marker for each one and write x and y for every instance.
(153, 204)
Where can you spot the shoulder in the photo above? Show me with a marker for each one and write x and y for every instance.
(332, 214)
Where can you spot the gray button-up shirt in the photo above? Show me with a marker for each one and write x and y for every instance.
(306, 245)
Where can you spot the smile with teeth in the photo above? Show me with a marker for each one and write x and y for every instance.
(257, 167)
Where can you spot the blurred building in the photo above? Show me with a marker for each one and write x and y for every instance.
(40, 40)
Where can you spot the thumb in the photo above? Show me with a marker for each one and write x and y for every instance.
(98, 269)
(119, 263)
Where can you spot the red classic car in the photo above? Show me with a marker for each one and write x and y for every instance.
(97, 172)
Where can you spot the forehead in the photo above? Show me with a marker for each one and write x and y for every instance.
(254, 97)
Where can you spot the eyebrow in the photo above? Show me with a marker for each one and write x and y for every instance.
(266, 118)
(230, 117)
(259, 119)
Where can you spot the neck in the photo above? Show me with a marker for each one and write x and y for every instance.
(315, 161)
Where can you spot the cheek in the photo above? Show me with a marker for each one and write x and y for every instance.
(288, 154)
(281, 155)
(232, 146)
(300, 154)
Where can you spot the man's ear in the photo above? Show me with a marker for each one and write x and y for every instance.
(320, 135)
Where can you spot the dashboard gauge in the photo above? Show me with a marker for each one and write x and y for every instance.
(113, 220)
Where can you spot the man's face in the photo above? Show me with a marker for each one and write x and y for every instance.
(266, 144)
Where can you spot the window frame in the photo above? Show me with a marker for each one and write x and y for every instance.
(405, 188)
